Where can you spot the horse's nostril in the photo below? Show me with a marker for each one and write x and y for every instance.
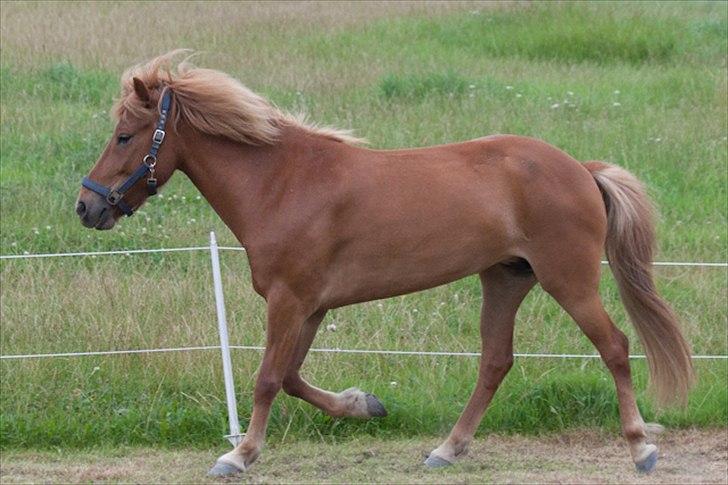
(80, 208)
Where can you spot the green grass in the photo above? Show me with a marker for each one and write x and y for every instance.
(641, 85)
(419, 87)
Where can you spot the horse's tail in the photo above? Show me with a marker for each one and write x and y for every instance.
(629, 247)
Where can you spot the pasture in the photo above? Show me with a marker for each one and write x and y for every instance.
(640, 85)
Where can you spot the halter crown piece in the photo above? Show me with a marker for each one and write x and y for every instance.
(115, 197)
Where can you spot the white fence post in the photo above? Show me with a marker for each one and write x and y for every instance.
(234, 437)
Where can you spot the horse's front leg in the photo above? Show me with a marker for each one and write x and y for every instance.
(286, 315)
(351, 402)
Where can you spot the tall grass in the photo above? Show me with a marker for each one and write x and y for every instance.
(641, 85)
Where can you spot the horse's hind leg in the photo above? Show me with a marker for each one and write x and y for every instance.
(504, 288)
(573, 281)
(351, 402)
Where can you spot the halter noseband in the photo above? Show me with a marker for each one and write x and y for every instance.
(115, 196)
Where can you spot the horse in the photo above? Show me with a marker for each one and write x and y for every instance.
(327, 222)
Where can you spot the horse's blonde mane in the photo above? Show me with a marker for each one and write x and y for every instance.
(215, 103)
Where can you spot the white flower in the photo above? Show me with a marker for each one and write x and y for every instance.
(519, 95)
(509, 87)
(13, 244)
(472, 86)
(48, 228)
(616, 103)
(331, 327)
(26, 252)
(198, 198)
(393, 383)
(616, 91)
(555, 105)
(570, 93)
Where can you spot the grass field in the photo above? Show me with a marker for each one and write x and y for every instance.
(642, 85)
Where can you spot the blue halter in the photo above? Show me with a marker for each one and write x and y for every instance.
(115, 196)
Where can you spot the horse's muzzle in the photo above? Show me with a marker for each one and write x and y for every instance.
(96, 214)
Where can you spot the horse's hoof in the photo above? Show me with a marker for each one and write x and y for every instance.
(648, 464)
(222, 469)
(434, 461)
(375, 407)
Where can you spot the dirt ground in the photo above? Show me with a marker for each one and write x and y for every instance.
(686, 456)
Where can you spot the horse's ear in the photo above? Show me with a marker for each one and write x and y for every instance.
(141, 90)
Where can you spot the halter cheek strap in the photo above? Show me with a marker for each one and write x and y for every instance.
(115, 197)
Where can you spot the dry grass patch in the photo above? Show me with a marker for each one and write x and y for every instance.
(122, 33)
(688, 456)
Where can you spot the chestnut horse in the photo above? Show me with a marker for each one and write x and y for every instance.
(327, 223)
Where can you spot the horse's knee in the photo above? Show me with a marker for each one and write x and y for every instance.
(292, 385)
(266, 389)
(495, 371)
(616, 356)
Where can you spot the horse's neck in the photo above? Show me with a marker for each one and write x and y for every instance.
(238, 179)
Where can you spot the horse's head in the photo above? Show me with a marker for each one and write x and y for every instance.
(139, 158)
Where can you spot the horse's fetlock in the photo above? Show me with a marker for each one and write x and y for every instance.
(460, 447)
(337, 412)
(634, 432)
(353, 403)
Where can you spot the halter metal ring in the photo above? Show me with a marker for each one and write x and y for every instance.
(113, 197)
(150, 160)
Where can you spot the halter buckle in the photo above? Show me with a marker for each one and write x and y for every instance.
(158, 136)
(114, 197)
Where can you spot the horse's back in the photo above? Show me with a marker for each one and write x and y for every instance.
(411, 219)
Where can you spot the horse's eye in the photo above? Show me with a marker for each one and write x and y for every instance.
(123, 139)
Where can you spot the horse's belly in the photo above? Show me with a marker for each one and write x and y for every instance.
(391, 264)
